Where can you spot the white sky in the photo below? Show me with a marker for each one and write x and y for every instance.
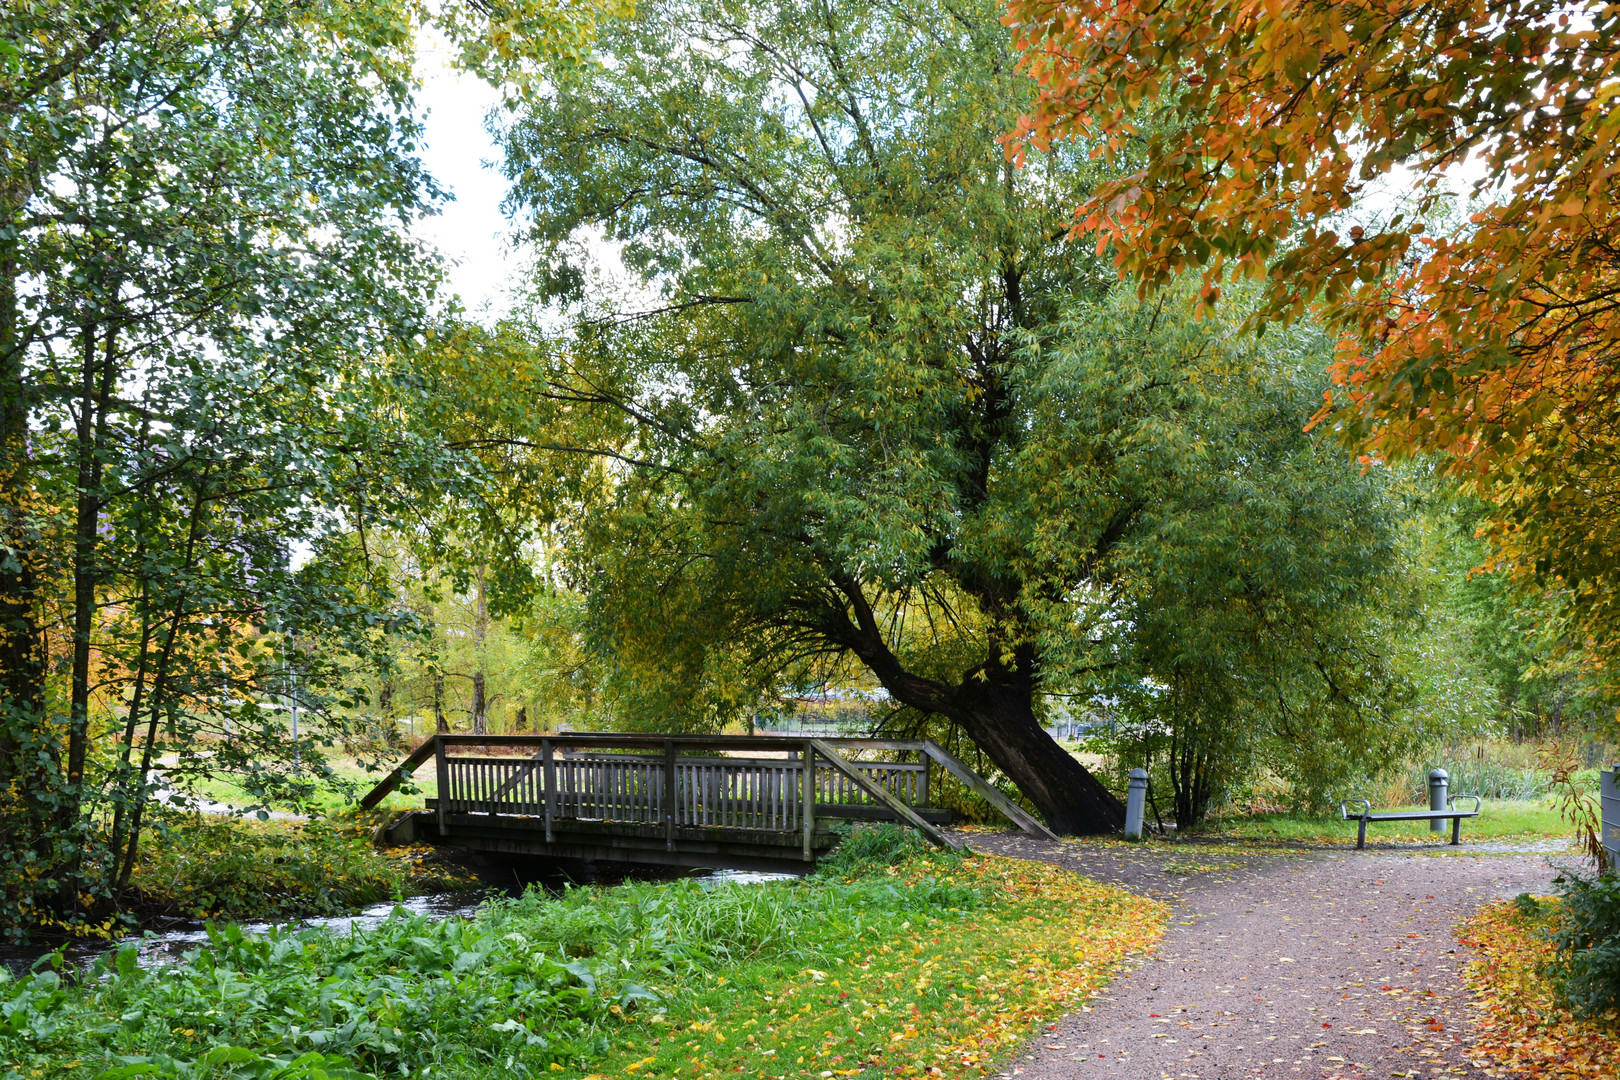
(471, 232)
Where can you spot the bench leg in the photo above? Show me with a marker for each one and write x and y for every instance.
(1361, 834)
(1456, 831)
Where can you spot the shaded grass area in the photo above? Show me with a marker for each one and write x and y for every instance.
(929, 963)
(196, 867)
(1497, 820)
(1523, 1027)
(304, 792)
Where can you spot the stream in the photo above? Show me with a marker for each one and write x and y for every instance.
(169, 945)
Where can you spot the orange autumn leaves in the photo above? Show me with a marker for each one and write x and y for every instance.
(1248, 130)
(951, 996)
(1522, 1029)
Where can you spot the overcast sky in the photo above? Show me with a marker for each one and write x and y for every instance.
(471, 232)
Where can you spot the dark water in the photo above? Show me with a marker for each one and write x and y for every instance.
(169, 944)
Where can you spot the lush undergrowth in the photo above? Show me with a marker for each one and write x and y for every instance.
(1525, 1026)
(927, 964)
(1497, 820)
(202, 868)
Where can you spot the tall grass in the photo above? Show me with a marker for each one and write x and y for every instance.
(1489, 779)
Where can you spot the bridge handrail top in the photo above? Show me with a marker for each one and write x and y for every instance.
(651, 742)
(644, 759)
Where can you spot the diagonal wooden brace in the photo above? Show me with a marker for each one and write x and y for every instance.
(880, 793)
(981, 787)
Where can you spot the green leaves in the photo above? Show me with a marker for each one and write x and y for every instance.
(204, 279)
(863, 413)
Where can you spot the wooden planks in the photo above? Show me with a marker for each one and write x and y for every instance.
(665, 789)
(976, 783)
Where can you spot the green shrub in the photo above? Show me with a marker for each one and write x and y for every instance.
(1587, 941)
(202, 868)
(410, 994)
(865, 847)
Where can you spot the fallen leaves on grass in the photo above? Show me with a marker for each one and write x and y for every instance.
(1522, 1028)
(955, 993)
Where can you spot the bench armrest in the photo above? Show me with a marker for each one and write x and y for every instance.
(1365, 804)
(1478, 802)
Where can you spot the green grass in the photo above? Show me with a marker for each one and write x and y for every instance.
(324, 799)
(933, 964)
(1497, 821)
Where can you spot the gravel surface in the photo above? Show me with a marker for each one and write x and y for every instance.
(1304, 963)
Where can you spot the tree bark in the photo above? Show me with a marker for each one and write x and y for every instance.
(439, 723)
(993, 706)
(480, 701)
(22, 639)
(1001, 721)
(95, 392)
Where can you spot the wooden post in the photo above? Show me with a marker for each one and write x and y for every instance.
(444, 784)
(668, 795)
(808, 798)
(922, 787)
(550, 781)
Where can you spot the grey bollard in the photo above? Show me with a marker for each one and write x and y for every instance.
(1438, 782)
(1135, 804)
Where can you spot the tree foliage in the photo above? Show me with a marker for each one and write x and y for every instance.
(861, 408)
(1257, 126)
(204, 279)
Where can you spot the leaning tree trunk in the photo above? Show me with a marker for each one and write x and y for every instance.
(1001, 722)
(997, 713)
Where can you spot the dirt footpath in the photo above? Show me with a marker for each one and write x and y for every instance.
(1312, 964)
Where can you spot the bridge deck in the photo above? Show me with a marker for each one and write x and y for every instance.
(745, 802)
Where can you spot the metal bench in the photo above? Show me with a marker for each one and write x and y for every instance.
(1367, 815)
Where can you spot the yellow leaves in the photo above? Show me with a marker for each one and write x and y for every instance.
(1522, 1027)
(948, 995)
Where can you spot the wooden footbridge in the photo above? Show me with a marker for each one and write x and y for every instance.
(745, 802)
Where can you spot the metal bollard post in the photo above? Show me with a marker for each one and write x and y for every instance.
(1135, 804)
(1438, 781)
(1609, 806)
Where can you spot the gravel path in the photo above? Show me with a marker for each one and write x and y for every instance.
(1319, 964)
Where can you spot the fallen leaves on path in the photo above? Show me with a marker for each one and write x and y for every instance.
(1522, 1028)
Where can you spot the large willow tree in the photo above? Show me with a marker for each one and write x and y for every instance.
(858, 405)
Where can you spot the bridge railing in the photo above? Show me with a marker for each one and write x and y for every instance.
(685, 781)
(725, 792)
